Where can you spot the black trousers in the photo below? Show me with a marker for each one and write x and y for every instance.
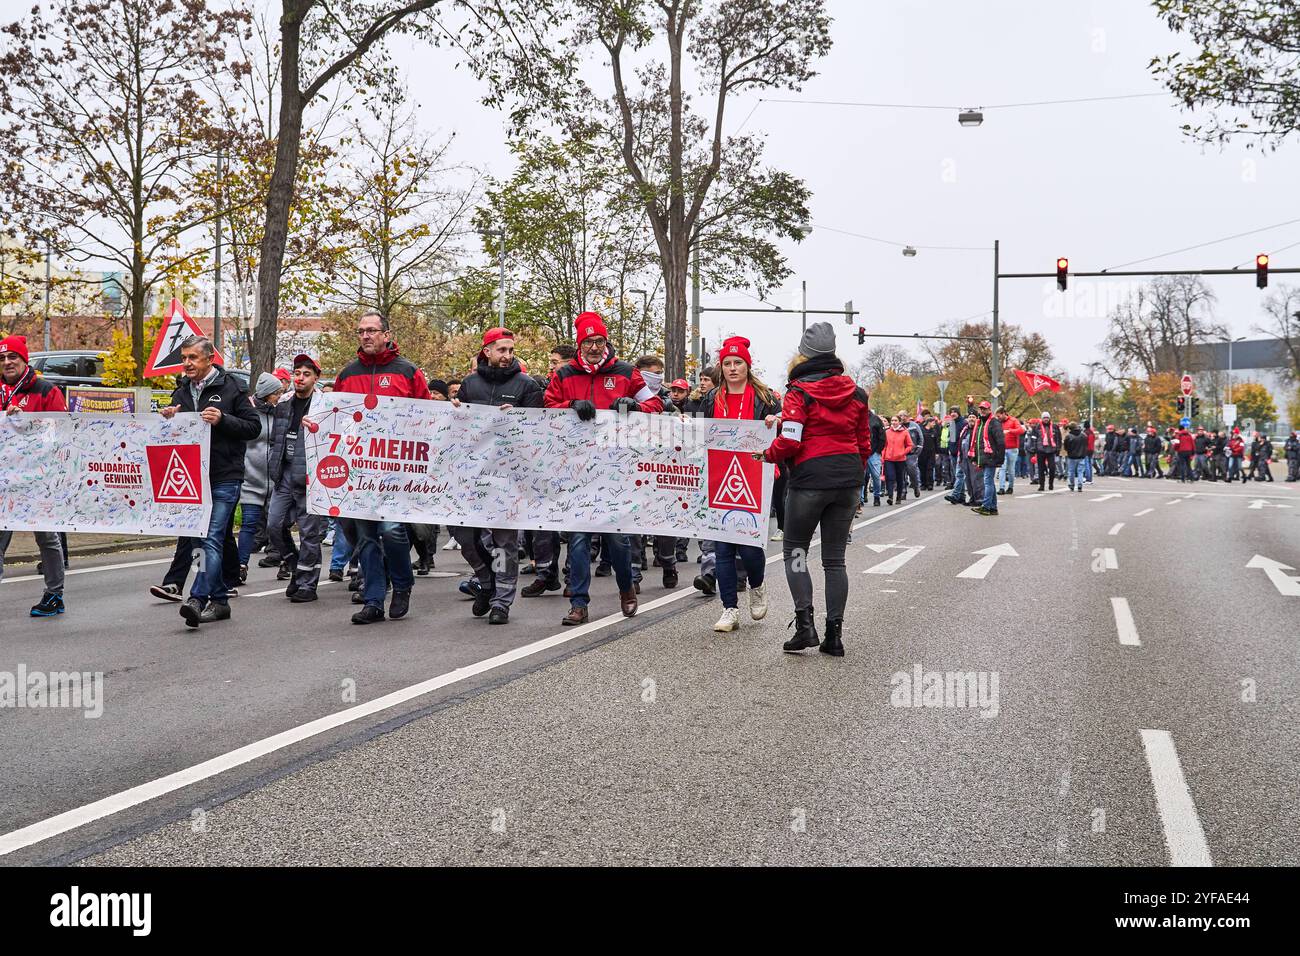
(1046, 469)
(831, 509)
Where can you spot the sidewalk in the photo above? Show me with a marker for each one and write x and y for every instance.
(22, 550)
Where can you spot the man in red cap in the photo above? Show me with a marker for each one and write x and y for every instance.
(598, 379)
(498, 379)
(22, 390)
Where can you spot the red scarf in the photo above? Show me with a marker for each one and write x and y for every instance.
(981, 433)
(1046, 429)
(746, 402)
(7, 392)
(593, 369)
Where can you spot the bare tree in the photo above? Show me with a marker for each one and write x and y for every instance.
(1161, 325)
(1283, 309)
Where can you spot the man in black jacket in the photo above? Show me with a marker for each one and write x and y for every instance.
(1049, 446)
(501, 381)
(988, 449)
(221, 402)
(288, 474)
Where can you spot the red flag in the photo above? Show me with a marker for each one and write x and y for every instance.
(1034, 383)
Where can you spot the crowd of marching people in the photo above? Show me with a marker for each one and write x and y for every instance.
(832, 452)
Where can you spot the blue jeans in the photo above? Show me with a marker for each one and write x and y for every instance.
(1087, 468)
(872, 481)
(613, 548)
(754, 560)
(959, 483)
(209, 584)
(990, 487)
(1074, 471)
(1007, 473)
(396, 548)
(252, 520)
(341, 550)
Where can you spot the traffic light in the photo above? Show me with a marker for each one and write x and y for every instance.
(862, 335)
(1261, 271)
(1196, 406)
(1182, 406)
(1062, 272)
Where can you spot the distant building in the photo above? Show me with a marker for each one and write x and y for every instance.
(1265, 361)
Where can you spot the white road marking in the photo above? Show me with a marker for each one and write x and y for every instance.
(1208, 494)
(1128, 632)
(1183, 833)
(1259, 503)
(888, 590)
(280, 589)
(1112, 562)
(1285, 584)
(1113, 494)
(1122, 478)
(1115, 528)
(890, 565)
(1144, 511)
(105, 567)
(142, 793)
(1036, 494)
(981, 568)
(1175, 501)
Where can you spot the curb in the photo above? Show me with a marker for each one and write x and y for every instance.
(142, 543)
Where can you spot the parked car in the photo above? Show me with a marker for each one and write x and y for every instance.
(86, 367)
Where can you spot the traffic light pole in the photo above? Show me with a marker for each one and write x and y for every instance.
(994, 387)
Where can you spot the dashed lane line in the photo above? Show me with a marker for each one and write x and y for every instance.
(1124, 624)
(1114, 529)
(1183, 834)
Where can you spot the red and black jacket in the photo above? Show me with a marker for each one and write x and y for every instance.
(384, 374)
(825, 427)
(35, 394)
(612, 380)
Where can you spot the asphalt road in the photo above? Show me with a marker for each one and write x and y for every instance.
(1096, 741)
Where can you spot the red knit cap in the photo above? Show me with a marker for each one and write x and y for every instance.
(589, 325)
(15, 343)
(738, 346)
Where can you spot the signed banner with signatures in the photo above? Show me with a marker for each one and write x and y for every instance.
(140, 474)
(397, 459)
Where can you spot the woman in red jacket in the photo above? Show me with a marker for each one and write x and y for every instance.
(826, 438)
(898, 443)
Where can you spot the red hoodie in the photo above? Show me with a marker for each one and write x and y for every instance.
(1012, 430)
(1185, 441)
(898, 442)
(825, 432)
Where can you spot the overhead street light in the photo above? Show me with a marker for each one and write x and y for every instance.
(970, 117)
(909, 251)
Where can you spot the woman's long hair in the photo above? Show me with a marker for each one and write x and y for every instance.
(762, 391)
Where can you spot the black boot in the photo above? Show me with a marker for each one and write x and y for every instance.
(805, 632)
(832, 644)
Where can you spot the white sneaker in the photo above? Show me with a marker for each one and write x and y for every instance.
(758, 602)
(779, 535)
(452, 545)
(730, 620)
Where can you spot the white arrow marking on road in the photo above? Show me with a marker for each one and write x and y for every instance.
(897, 561)
(1284, 583)
(1115, 529)
(1183, 833)
(1259, 503)
(885, 547)
(1111, 495)
(981, 568)
(1175, 501)
(1128, 632)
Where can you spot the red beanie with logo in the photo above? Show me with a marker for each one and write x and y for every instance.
(588, 325)
(15, 343)
(738, 346)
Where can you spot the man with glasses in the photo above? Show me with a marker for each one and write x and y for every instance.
(379, 369)
(598, 379)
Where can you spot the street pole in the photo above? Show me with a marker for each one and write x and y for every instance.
(502, 235)
(47, 294)
(216, 295)
(695, 311)
(1229, 371)
(996, 337)
(803, 308)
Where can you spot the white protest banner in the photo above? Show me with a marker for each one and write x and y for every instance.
(398, 459)
(134, 474)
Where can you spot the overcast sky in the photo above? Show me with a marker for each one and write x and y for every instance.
(1102, 183)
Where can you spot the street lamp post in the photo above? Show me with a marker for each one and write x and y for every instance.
(1241, 338)
(501, 255)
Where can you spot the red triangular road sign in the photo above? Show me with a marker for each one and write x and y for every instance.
(165, 358)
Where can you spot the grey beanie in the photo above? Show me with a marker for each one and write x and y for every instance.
(818, 339)
(267, 384)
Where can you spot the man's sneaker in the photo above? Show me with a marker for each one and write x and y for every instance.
(285, 573)
(706, 583)
(670, 577)
(167, 592)
(354, 584)
(50, 605)
(984, 512)
(576, 615)
(336, 576)
(875, 503)
(328, 542)
(368, 615)
(730, 620)
(482, 603)
(779, 535)
(358, 598)
(399, 604)
(232, 593)
(1011, 491)
(191, 611)
(452, 545)
(214, 612)
(269, 560)
(243, 574)
(499, 615)
(758, 602)
(303, 596)
(292, 589)
(540, 586)
(604, 570)
(916, 493)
